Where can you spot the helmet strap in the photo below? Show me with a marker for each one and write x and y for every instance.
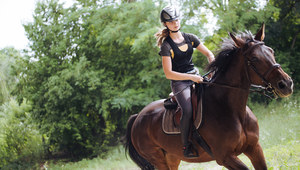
(173, 31)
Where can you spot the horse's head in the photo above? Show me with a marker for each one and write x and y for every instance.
(262, 68)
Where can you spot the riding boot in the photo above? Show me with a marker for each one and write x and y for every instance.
(187, 146)
(189, 151)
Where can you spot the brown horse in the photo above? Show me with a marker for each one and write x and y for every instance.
(229, 127)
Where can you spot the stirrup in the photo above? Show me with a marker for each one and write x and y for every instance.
(188, 151)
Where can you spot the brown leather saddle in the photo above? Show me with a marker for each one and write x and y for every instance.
(172, 114)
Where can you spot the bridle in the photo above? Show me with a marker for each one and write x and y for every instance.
(261, 89)
(264, 76)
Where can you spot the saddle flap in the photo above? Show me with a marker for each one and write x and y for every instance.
(171, 118)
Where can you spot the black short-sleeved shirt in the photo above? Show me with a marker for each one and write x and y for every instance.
(165, 49)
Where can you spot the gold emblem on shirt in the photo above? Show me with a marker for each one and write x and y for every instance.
(172, 53)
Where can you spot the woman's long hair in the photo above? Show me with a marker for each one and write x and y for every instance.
(161, 35)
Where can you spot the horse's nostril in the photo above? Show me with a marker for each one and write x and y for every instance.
(281, 85)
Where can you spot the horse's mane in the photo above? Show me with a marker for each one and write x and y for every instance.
(226, 53)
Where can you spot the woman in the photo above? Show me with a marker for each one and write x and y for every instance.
(176, 49)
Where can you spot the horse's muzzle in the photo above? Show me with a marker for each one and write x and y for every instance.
(284, 87)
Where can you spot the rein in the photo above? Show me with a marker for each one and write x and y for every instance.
(224, 85)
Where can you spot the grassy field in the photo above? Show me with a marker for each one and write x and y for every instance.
(279, 137)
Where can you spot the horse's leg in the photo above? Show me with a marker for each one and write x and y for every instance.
(173, 162)
(256, 155)
(254, 150)
(156, 157)
(234, 163)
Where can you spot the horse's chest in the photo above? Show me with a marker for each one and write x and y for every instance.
(231, 134)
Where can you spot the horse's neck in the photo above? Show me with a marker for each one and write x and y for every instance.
(235, 76)
(236, 92)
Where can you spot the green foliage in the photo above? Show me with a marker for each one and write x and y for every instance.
(8, 58)
(72, 105)
(88, 69)
(282, 34)
(20, 142)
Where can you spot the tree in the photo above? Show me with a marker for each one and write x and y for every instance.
(283, 30)
(89, 68)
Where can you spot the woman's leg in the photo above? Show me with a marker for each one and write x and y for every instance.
(183, 96)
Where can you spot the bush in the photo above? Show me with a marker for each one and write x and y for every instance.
(20, 143)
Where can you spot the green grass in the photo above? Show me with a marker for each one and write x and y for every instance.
(279, 137)
(114, 160)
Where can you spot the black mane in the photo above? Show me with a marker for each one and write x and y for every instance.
(226, 53)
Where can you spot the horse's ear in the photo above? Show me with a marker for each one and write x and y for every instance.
(238, 42)
(260, 35)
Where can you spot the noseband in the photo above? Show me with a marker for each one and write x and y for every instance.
(264, 76)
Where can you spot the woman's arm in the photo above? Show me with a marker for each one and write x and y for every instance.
(210, 56)
(173, 75)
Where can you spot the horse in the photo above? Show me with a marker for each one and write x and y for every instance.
(229, 127)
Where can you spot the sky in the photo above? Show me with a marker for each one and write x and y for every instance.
(14, 13)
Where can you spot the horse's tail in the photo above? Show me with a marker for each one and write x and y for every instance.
(134, 155)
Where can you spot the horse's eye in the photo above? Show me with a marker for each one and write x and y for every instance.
(254, 59)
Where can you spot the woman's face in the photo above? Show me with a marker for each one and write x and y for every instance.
(173, 25)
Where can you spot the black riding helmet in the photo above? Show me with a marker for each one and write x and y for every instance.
(169, 14)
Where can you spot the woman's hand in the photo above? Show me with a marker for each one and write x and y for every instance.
(173, 75)
(209, 76)
(196, 78)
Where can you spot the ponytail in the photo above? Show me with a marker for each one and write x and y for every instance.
(161, 36)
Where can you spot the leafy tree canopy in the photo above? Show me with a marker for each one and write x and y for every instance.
(90, 68)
